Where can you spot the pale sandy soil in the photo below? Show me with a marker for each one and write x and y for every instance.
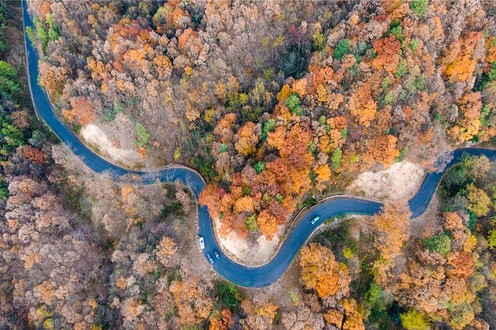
(398, 182)
(107, 147)
(249, 251)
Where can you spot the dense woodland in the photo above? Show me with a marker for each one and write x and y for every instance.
(274, 104)
(277, 104)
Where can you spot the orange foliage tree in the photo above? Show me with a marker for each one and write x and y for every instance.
(381, 149)
(52, 78)
(388, 54)
(353, 319)
(468, 124)
(439, 286)
(462, 57)
(191, 300)
(83, 110)
(320, 271)
(392, 229)
(362, 105)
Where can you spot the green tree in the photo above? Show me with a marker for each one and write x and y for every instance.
(41, 33)
(143, 135)
(491, 239)
(268, 126)
(342, 48)
(294, 104)
(337, 155)
(344, 133)
(373, 294)
(389, 98)
(419, 7)
(251, 223)
(4, 11)
(397, 31)
(420, 82)
(4, 191)
(223, 148)
(228, 294)
(295, 61)
(259, 167)
(376, 303)
(402, 69)
(440, 243)
(9, 84)
(10, 137)
(414, 44)
(37, 138)
(492, 72)
(413, 320)
(53, 29)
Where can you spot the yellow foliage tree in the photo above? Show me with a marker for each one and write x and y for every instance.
(247, 139)
(352, 318)
(468, 124)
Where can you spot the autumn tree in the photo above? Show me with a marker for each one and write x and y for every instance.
(302, 318)
(353, 319)
(51, 255)
(478, 200)
(462, 57)
(320, 271)
(383, 149)
(267, 223)
(468, 124)
(392, 230)
(362, 105)
(434, 275)
(52, 77)
(83, 110)
(191, 300)
(388, 54)
(247, 139)
(165, 251)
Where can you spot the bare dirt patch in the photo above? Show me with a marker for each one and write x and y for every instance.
(249, 251)
(398, 182)
(94, 135)
(286, 292)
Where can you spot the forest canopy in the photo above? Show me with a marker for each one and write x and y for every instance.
(331, 91)
(278, 104)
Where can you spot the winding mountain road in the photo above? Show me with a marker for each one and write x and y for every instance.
(239, 274)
